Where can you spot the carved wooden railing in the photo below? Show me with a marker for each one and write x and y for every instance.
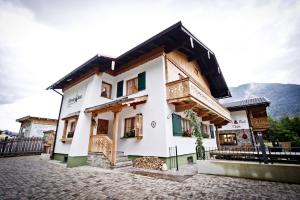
(101, 143)
(186, 88)
(260, 123)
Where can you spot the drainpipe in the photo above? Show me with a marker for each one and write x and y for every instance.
(62, 98)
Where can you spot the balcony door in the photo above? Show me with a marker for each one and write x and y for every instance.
(102, 127)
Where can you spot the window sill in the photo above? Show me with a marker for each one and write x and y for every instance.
(106, 98)
(135, 137)
(184, 136)
(127, 137)
(66, 140)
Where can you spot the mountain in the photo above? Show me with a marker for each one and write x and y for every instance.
(285, 98)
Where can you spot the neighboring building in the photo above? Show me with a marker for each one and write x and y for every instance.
(249, 117)
(134, 103)
(35, 126)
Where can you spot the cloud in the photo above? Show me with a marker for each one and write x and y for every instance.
(41, 41)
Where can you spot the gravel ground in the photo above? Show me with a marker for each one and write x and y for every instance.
(31, 178)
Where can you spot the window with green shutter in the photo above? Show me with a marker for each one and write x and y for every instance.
(177, 128)
(142, 81)
(120, 88)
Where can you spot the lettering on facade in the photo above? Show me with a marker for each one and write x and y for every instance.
(236, 123)
(74, 99)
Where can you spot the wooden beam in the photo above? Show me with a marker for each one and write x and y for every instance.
(91, 132)
(183, 107)
(209, 117)
(115, 136)
(65, 129)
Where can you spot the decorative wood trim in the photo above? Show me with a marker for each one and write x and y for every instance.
(187, 74)
(70, 117)
(91, 132)
(115, 136)
(180, 108)
(166, 68)
(138, 61)
(65, 129)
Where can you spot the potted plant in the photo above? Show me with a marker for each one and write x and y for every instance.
(187, 133)
(129, 134)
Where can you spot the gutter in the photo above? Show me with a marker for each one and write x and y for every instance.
(62, 98)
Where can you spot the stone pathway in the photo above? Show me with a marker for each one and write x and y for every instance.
(31, 178)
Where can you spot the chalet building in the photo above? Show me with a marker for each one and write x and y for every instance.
(133, 104)
(249, 117)
(35, 126)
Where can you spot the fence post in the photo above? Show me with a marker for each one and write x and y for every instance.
(263, 148)
(176, 157)
(4, 144)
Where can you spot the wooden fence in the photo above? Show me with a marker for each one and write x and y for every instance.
(21, 146)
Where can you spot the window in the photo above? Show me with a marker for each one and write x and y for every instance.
(212, 131)
(120, 88)
(132, 86)
(129, 128)
(181, 126)
(228, 139)
(205, 130)
(186, 127)
(106, 90)
(72, 129)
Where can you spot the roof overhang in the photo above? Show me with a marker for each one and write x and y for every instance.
(74, 115)
(117, 105)
(28, 118)
(176, 37)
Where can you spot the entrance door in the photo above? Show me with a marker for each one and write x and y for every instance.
(102, 127)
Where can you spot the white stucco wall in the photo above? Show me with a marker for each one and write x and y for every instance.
(239, 121)
(25, 130)
(154, 139)
(37, 130)
(68, 108)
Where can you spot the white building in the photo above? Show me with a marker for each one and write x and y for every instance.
(134, 103)
(35, 126)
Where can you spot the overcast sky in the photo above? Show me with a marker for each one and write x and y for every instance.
(41, 41)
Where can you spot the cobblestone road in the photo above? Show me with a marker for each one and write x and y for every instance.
(31, 178)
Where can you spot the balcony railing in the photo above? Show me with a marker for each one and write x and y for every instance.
(185, 88)
(101, 143)
(260, 123)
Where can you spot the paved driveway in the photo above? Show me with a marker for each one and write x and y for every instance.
(31, 178)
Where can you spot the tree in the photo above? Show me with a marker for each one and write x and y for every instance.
(286, 129)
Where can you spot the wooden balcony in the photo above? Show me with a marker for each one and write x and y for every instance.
(185, 94)
(260, 123)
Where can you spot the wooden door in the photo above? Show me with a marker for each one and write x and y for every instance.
(102, 127)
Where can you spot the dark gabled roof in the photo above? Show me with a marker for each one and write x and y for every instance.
(98, 61)
(176, 37)
(247, 103)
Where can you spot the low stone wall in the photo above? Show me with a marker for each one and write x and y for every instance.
(272, 172)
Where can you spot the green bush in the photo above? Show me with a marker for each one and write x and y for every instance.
(286, 129)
